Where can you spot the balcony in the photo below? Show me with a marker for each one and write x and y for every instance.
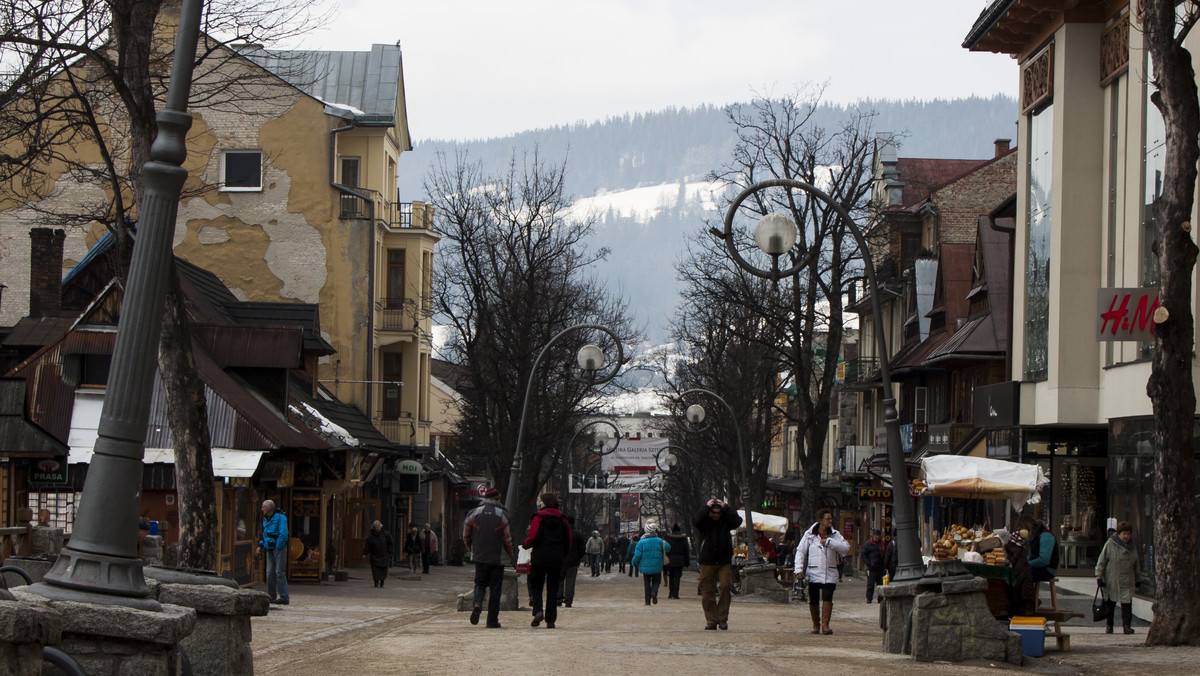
(395, 215)
(403, 428)
(860, 373)
(948, 437)
(398, 315)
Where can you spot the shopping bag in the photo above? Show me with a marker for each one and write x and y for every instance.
(1099, 607)
(523, 555)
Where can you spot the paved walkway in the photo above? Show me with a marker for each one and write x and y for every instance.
(411, 626)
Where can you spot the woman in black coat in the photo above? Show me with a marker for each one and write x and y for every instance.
(379, 547)
(549, 539)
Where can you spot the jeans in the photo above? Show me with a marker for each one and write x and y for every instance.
(594, 564)
(539, 577)
(566, 587)
(489, 578)
(874, 577)
(277, 573)
(650, 583)
(716, 605)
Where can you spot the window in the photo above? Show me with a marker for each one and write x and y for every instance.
(241, 170)
(1037, 254)
(395, 278)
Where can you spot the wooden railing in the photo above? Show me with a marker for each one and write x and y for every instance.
(15, 541)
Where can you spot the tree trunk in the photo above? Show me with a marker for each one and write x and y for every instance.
(1171, 390)
(188, 417)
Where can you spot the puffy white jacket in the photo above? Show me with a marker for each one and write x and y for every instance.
(819, 561)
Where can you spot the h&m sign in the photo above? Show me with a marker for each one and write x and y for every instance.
(1126, 314)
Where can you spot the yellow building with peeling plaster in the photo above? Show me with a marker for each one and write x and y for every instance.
(292, 196)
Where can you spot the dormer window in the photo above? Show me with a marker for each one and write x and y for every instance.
(241, 171)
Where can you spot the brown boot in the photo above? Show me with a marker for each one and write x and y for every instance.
(816, 617)
(826, 613)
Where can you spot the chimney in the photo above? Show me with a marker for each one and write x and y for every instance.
(1002, 146)
(45, 272)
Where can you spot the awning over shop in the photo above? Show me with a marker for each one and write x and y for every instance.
(230, 462)
(766, 522)
(958, 476)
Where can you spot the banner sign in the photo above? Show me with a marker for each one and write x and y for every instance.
(49, 471)
(636, 454)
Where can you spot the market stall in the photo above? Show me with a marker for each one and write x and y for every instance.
(981, 550)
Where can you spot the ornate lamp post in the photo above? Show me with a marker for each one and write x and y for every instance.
(100, 565)
(605, 449)
(695, 416)
(591, 361)
(775, 235)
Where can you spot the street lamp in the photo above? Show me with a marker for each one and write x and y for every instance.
(695, 416)
(775, 234)
(605, 449)
(591, 360)
(100, 564)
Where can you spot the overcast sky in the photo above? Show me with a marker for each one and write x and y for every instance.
(482, 68)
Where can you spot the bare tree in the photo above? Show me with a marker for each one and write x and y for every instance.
(79, 89)
(803, 316)
(1171, 389)
(511, 275)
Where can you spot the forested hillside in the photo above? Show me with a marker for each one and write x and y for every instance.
(670, 148)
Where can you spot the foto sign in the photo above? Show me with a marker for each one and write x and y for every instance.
(49, 471)
(1125, 314)
(875, 494)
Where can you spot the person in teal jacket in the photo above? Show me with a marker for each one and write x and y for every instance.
(274, 543)
(649, 555)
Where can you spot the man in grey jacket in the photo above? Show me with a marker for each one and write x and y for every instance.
(487, 535)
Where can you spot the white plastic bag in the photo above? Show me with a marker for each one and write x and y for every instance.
(523, 558)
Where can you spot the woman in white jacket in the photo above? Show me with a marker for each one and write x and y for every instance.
(817, 557)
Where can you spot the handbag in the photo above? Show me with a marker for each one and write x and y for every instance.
(523, 560)
(1099, 607)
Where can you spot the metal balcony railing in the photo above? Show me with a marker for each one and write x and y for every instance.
(397, 315)
(392, 214)
(860, 372)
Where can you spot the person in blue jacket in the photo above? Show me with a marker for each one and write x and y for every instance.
(1043, 550)
(633, 569)
(274, 542)
(649, 555)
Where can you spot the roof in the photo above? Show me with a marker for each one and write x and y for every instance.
(304, 315)
(922, 176)
(346, 417)
(364, 86)
(1012, 26)
(19, 435)
(38, 331)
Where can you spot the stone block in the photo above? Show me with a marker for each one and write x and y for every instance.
(46, 540)
(35, 567)
(759, 581)
(101, 622)
(508, 595)
(23, 659)
(215, 599)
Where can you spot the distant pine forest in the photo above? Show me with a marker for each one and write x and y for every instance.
(674, 146)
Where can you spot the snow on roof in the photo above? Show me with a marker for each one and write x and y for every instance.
(327, 428)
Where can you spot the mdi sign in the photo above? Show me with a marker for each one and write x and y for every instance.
(1125, 314)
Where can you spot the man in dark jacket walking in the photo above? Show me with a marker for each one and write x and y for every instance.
(872, 556)
(570, 569)
(713, 522)
(677, 560)
(487, 535)
(622, 547)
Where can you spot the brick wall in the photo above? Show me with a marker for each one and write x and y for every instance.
(45, 272)
(960, 203)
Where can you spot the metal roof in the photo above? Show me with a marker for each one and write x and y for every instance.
(367, 83)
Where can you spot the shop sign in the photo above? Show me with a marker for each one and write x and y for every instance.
(875, 494)
(49, 471)
(408, 467)
(1126, 314)
(794, 504)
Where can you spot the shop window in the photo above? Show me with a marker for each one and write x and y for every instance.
(1037, 254)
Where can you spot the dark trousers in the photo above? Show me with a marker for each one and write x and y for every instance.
(1041, 575)
(620, 565)
(674, 573)
(547, 577)
(650, 583)
(489, 578)
(426, 559)
(1126, 614)
(594, 563)
(566, 586)
(874, 577)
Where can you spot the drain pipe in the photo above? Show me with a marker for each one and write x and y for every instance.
(370, 260)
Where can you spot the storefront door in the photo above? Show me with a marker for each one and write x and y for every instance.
(1080, 494)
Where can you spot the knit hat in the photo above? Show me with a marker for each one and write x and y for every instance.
(651, 529)
(492, 493)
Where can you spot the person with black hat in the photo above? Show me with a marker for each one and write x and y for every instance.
(486, 533)
(677, 560)
(872, 557)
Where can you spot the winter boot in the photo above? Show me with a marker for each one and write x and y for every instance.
(1127, 617)
(826, 613)
(816, 617)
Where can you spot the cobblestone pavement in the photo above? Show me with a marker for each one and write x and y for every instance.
(411, 626)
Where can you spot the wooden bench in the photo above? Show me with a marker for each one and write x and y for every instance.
(1054, 615)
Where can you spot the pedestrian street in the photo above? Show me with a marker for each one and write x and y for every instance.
(411, 626)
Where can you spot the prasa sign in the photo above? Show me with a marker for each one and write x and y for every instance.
(1125, 314)
(49, 471)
